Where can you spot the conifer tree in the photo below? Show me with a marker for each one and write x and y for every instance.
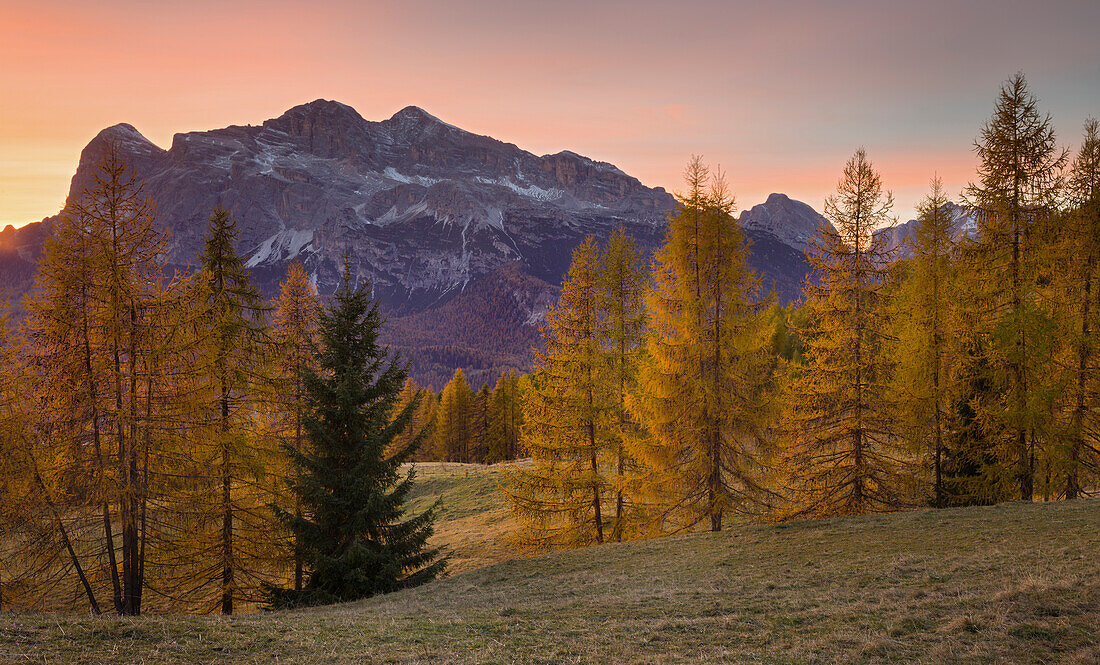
(922, 320)
(559, 498)
(972, 472)
(231, 347)
(296, 312)
(622, 292)
(94, 337)
(352, 492)
(702, 395)
(1018, 181)
(1080, 274)
(422, 423)
(33, 526)
(785, 322)
(454, 420)
(842, 456)
(479, 425)
(505, 419)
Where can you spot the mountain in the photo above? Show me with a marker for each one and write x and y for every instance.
(464, 238)
(781, 230)
(793, 223)
(422, 206)
(963, 226)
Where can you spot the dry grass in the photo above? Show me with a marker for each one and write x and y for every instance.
(474, 521)
(1017, 583)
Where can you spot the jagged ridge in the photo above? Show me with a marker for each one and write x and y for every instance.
(427, 211)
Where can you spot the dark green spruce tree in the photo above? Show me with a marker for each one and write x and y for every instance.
(351, 535)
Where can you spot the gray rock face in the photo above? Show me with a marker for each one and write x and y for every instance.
(465, 238)
(792, 222)
(422, 206)
(963, 226)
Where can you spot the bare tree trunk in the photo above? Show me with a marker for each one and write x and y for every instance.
(298, 563)
(858, 493)
(108, 531)
(937, 369)
(1019, 369)
(66, 541)
(227, 504)
(596, 499)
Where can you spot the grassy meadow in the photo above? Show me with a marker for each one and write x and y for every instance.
(1014, 583)
(474, 522)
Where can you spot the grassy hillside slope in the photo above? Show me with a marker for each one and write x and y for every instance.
(1017, 583)
(474, 521)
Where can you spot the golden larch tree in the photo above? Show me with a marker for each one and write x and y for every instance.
(295, 335)
(623, 285)
(505, 419)
(453, 420)
(702, 395)
(922, 343)
(1019, 178)
(559, 498)
(235, 549)
(1079, 285)
(843, 454)
(93, 335)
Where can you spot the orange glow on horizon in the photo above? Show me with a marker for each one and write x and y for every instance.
(642, 86)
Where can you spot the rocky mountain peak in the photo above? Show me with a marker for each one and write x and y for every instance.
(413, 125)
(129, 139)
(415, 114)
(322, 111)
(328, 128)
(792, 222)
(138, 151)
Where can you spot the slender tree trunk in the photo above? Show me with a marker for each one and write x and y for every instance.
(227, 505)
(1046, 479)
(1019, 370)
(67, 541)
(93, 401)
(125, 505)
(140, 584)
(124, 604)
(617, 534)
(715, 481)
(598, 517)
(859, 474)
(298, 562)
(937, 368)
(591, 424)
(131, 538)
(144, 485)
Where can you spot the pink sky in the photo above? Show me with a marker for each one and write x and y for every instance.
(780, 94)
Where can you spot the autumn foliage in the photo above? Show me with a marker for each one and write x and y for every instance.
(174, 442)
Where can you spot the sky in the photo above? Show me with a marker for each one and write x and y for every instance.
(778, 94)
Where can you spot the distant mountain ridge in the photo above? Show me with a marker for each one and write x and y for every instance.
(424, 207)
(897, 236)
(443, 222)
